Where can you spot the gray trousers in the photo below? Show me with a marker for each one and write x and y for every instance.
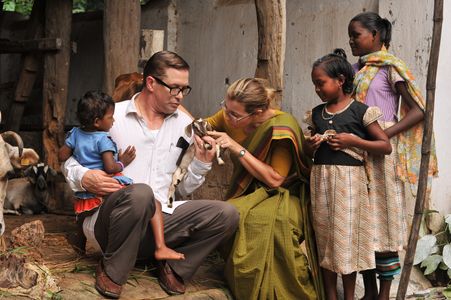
(124, 232)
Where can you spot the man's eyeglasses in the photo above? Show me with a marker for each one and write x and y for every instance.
(232, 115)
(174, 91)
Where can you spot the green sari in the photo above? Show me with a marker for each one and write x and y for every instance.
(266, 260)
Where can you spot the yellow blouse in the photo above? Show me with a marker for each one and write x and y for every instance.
(280, 159)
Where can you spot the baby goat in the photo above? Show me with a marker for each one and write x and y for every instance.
(198, 127)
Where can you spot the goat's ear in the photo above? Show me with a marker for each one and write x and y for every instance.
(31, 172)
(189, 130)
(28, 171)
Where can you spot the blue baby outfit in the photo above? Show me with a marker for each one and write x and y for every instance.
(87, 150)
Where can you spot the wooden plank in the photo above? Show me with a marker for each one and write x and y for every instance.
(121, 35)
(30, 65)
(9, 46)
(271, 19)
(58, 19)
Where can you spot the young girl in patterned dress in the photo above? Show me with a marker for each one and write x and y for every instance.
(342, 129)
(380, 80)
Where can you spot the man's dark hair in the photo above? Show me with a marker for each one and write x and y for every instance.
(162, 60)
(336, 64)
(92, 105)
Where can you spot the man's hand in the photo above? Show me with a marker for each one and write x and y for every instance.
(201, 153)
(127, 156)
(100, 183)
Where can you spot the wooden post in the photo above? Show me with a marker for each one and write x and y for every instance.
(271, 19)
(58, 21)
(31, 63)
(121, 35)
(425, 150)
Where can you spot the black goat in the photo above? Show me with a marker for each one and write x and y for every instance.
(29, 195)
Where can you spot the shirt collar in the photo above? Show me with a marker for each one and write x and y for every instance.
(131, 108)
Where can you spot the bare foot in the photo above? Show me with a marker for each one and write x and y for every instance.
(165, 253)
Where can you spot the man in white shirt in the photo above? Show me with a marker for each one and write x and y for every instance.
(153, 124)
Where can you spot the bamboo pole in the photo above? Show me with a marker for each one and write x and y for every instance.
(425, 150)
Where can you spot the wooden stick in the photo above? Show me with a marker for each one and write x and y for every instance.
(425, 150)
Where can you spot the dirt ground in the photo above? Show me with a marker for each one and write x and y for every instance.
(74, 274)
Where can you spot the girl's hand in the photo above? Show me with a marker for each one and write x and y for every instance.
(313, 142)
(128, 156)
(225, 141)
(342, 140)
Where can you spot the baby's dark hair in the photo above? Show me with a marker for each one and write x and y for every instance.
(91, 106)
(374, 23)
(335, 64)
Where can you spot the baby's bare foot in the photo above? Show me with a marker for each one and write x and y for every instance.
(165, 253)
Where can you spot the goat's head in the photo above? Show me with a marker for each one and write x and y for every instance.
(40, 176)
(8, 152)
(199, 127)
(6, 167)
(10, 158)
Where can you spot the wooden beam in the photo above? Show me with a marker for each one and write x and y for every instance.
(121, 35)
(8, 46)
(31, 63)
(271, 20)
(58, 21)
(425, 150)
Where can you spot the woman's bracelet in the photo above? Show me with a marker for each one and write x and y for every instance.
(121, 164)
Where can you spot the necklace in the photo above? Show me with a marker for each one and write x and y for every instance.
(327, 118)
(332, 115)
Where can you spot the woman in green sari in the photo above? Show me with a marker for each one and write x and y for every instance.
(269, 189)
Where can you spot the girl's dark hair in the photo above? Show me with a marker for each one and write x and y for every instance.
(336, 65)
(374, 23)
(92, 105)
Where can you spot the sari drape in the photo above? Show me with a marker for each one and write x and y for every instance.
(266, 260)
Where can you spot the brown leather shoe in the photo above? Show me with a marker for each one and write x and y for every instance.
(104, 285)
(169, 281)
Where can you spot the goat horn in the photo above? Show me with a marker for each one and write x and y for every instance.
(16, 137)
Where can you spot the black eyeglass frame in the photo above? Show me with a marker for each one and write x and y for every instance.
(174, 91)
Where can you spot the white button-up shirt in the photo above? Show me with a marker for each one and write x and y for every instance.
(156, 153)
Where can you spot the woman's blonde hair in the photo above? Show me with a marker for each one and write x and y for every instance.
(254, 93)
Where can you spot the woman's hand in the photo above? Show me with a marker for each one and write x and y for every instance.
(127, 156)
(225, 141)
(342, 140)
(100, 183)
